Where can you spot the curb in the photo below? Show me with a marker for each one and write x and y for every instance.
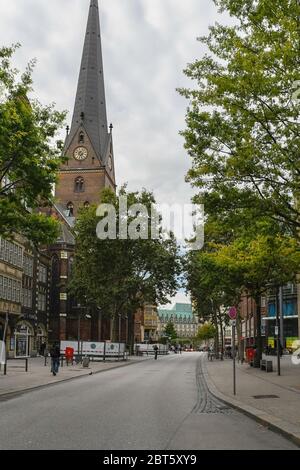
(15, 394)
(278, 425)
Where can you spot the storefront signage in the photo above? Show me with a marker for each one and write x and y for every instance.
(94, 348)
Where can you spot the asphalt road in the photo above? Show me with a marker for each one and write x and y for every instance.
(152, 405)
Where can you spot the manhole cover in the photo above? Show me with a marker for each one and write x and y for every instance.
(258, 397)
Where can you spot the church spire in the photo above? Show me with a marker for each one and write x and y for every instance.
(90, 105)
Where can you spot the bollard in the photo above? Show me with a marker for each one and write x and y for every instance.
(62, 361)
(26, 365)
(5, 368)
(45, 362)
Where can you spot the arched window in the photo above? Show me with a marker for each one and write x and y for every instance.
(70, 207)
(81, 138)
(79, 185)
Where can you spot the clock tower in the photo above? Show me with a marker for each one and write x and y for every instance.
(88, 149)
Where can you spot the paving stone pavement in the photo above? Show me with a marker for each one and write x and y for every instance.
(279, 403)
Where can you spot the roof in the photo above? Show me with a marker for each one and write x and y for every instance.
(65, 236)
(183, 308)
(178, 310)
(90, 105)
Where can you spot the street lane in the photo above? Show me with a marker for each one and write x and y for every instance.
(153, 405)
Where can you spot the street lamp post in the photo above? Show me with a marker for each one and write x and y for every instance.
(277, 330)
(119, 315)
(79, 309)
(78, 329)
(126, 332)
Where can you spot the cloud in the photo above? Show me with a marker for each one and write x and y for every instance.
(146, 45)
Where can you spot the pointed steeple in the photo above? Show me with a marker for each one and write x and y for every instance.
(90, 105)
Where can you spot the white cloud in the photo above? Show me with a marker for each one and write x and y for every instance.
(146, 45)
(180, 298)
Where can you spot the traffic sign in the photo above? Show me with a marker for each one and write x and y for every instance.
(233, 322)
(276, 330)
(232, 313)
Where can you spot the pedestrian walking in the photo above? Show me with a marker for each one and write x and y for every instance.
(155, 351)
(55, 355)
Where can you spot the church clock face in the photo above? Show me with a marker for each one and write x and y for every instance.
(80, 153)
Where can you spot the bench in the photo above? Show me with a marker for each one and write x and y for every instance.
(266, 365)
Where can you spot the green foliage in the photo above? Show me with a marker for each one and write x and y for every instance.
(243, 130)
(170, 330)
(119, 276)
(243, 137)
(206, 332)
(28, 159)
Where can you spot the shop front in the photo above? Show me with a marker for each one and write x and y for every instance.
(24, 337)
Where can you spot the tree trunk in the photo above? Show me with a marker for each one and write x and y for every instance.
(222, 335)
(239, 334)
(130, 333)
(215, 322)
(258, 355)
(114, 328)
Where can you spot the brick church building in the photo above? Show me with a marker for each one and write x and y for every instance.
(89, 168)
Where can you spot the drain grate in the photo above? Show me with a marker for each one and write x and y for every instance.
(258, 397)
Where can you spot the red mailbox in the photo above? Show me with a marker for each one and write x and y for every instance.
(69, 353)
(250, 354)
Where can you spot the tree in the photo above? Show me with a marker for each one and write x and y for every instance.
(206, 332)
(119, 275)
(243, 131)
(212, 290)
(28, 159)
(257, 264)
(249, 260)
(170, 330)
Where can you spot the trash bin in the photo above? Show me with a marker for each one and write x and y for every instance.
(85, 362)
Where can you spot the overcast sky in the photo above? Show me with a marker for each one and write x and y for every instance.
(146, 45)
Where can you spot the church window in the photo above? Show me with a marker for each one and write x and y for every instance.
(79, 185)
(81, 138)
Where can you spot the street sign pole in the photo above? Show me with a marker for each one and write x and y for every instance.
(277, 330)
(233, 356)
(232, 315)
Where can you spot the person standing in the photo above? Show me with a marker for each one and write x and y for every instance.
(55, 355)
(155, 351)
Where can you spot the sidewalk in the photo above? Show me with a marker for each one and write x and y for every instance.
(39, 375)
(281, 413)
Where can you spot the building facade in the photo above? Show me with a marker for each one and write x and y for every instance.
(151, 320)
(287, 301)
(25, 278)
(89, 167)
(183, 318)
